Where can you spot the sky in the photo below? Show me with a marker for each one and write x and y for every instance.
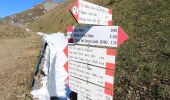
(9, 7)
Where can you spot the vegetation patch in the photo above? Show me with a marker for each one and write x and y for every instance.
(8, 32)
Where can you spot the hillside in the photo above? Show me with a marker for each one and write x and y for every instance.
(10, 32)
(142, 70)
(19, 50)
(24, 18)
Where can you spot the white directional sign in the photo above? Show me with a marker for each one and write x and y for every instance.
(88, 13)
(100, 57)
(110, 36)
(80, 97)
(89, 90)
(96, 75)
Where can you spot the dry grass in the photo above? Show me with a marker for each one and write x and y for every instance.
(17, 61)
(56, 20)
(9, 32)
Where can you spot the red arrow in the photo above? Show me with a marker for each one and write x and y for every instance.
(66, 53)
(66, 66)
(75, 10)
(122, 36)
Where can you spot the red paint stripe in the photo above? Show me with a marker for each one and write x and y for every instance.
(110, 23)
(108, 85)
(108, 92)
(77, 4)
(70, 40)
(109, 72)
(69, 29)
(111, 52)
(66, 66)
(76, 16)
(67, 81)
(110, 11)
(110, 66)
(66, 51)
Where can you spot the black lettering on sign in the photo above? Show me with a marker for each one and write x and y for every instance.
(86, 6)
(103, 42)
(90, 14)
(113, 30)
(113, 36)
(113, 42)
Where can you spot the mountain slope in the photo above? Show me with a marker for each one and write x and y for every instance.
(55, 20)
(24, 18)
(142, 70)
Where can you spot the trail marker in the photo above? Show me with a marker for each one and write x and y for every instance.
(110, 36)
(89, 73)
(91, 57)
(88, 13)
(90, 90)
(100, 57)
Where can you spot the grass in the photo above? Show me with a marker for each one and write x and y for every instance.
(143, 62)
(9, 32)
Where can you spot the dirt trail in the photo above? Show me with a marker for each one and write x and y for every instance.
(17, 63)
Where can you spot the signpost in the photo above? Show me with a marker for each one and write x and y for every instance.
(88, 13)
(90, 90)
(100, 57)
(89, 73)
(91, 57)
(110, 36)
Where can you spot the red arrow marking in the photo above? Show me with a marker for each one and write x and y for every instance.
(108, 85)
(111, 52)
(110, 66)
(109, 23)
(122, 36)
(110, 11)
(69, 29)
(75, 10)
(108, 92)
(66, 51)
(109, 72)
(66, 66)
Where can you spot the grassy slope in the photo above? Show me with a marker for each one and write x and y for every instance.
(19, 51)
(142, 61)
(56, 20)
(9, 32)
